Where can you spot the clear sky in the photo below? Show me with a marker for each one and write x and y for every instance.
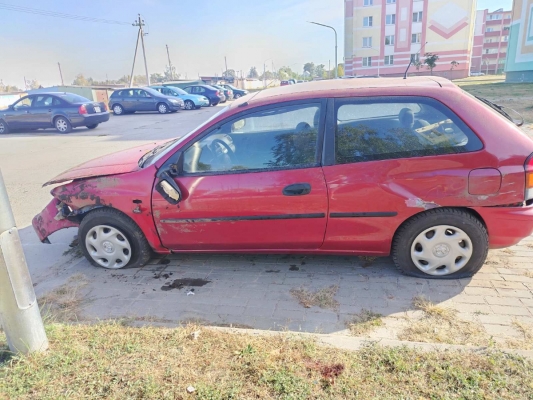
(199, 34)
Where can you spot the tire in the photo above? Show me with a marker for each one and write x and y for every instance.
(118, 109)
(189, 105)
(94, 126)
(62, 125)
(462, 245)
(236, 96)
(3, 127)
(213, 102)
(133, 250)
(162, 108)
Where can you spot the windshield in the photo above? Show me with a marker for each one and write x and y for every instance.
(155, 154)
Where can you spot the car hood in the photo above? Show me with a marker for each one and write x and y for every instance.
(112, 164)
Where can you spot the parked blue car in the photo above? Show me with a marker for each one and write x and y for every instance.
(192, 101)
(130, 100)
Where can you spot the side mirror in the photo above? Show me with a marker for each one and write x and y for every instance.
(168, 188)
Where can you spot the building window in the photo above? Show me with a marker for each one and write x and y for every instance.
(367, 61)
(505, 38)
(489, 30)
(417, 16)
(493, 17)
(415, 58)
(415, 38)
(391, 1)
(489, 40)
(501, 61)
(367, 21)
(491, 51)
(505, 28)
(389, 40)
(368, 2)
(367, 41)
(390, 19)
(389, 60)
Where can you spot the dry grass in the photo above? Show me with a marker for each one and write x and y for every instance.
(323, 298)
(529, 274)
(64, 303)
(441, 325)
(526, 340)
(364, 322)
(117, 362)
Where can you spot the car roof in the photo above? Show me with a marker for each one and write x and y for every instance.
(340, 87)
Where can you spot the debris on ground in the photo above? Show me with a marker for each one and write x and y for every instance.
(323, 298)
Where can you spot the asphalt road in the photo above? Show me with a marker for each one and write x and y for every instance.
(28, 159)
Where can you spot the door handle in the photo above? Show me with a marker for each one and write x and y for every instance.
(297, 189)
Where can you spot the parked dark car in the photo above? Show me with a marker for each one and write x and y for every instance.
(214, 95)
(191, 101)
(286, 83)
(227, 92)
(130, 100)
(237, 93)
(62, 111)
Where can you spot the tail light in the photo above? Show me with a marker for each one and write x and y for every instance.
(529, 177)
(218, 93)
(105, 107)
(82, 109)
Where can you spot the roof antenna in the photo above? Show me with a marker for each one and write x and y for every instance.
(411, 60)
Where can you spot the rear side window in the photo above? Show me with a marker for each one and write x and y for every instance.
(389, 128)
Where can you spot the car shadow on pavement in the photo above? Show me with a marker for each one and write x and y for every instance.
(252, 290)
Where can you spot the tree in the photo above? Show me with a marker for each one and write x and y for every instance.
(310, 68)
(320, 71)
(139, 80)
(268, 75)
(33, 84)
(253, 73)
(171, 74)
(8, 88)
(431, 61)
(80, 80)
(157, 78)
(285, 73)
(454, 64)
(230, 73)
(340, 70)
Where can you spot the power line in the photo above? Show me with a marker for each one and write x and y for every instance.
(36, 11)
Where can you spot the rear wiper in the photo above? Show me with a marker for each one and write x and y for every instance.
(500, 109)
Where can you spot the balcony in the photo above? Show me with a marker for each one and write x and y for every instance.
(494, 22)
(493, 45)
(493, 34)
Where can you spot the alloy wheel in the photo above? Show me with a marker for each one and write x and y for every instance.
(162, 108)
(61, 125)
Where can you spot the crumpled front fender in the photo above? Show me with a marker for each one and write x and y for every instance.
(51, 220)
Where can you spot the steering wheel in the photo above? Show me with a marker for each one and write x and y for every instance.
(230, 153)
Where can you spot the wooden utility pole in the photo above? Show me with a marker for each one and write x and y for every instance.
(61, 74)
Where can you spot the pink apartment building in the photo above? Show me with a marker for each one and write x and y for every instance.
(491, 36)
(381, 36)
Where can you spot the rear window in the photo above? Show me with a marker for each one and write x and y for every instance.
(74, 98)
(389, 128)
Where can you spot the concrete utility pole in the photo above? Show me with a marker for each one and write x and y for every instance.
(226, 62)
(134, 57)
(61, 74)
(19, 312)
(336, 64)
(140, 23)
(170, 65)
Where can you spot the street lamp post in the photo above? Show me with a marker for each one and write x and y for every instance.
(330, 27)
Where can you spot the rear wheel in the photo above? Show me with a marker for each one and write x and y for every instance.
(118, 109)
(237, 95)
(213, 102)
(441, 243)
(3, 127)
(94, 126)
(189, 105)
(112, 240)
(62, 125)
(162, 108)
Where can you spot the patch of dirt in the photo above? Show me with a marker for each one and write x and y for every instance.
(323, 298)
(364, 322)
(184, 282)
(64, 303)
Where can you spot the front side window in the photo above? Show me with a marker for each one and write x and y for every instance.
(368, 2)
(284, 137)
(390, 19)
(367, 21)
(24, 103)
(367, 61)
(390, 128)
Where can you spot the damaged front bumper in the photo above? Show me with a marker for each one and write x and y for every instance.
(52, 219)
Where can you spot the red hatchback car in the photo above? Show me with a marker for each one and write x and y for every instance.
(415, 168)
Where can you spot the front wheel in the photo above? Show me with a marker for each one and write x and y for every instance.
(112, 240)
(62, 125)
(162, 108)
(118, 109)
(441, 243)
(94, 126)
(3, 127)
(236, 96)
(189, 105)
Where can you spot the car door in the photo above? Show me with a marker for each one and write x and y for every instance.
(144, 101)
(128, 99)
(42, 109)
(387, 159)
(19, 116)
(253, 182)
